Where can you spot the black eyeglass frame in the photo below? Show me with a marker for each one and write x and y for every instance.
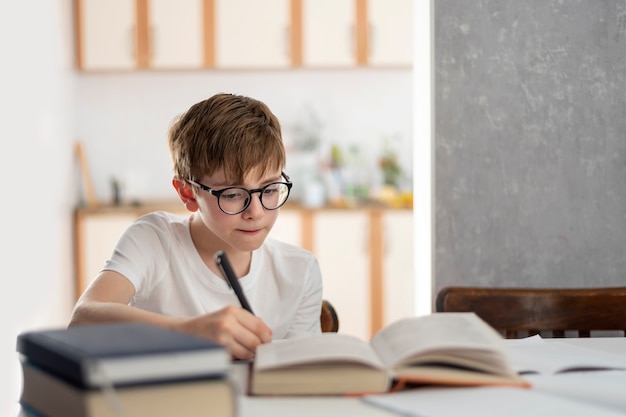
(218, 193)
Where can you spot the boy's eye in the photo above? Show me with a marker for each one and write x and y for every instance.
(233, 194)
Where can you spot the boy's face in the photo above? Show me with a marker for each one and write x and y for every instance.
(244, 231)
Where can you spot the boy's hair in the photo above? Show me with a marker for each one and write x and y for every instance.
(231, 132)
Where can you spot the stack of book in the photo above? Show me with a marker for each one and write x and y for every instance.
(123, 369)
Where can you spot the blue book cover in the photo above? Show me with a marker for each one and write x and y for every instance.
(98, 355)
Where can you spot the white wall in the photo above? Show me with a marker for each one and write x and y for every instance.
(36, 85)
(423, 161)
(123, 118)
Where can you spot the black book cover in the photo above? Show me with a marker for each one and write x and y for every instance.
(75, 353)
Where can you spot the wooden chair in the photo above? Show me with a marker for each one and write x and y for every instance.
(328, 318)
(520, 312)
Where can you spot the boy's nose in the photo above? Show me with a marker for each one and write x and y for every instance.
(255, 208)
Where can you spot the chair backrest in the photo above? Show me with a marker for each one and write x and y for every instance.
(328, 318)
(520, 312)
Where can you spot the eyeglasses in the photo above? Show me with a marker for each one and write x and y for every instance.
(235, 200)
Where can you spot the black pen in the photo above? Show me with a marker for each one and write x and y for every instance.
(222, 262)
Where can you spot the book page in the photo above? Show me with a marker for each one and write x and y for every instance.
(317, 349)
(604, 388)
(535, 355)
(485, 401)
(449, 335)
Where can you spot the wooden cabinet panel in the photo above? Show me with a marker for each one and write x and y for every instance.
(342, 248)
(97, 235)
(107, 34)
(288, 227)
(175, 30)
(398, 276)
(243, 34)
(390, 32)
(252, 33)
(328, 33)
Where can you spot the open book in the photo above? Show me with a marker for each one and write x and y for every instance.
(440, 349)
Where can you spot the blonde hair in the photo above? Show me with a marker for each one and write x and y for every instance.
(231, 132)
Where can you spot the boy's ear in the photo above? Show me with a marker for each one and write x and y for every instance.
(186, 194)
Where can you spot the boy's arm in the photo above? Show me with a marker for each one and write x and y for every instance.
(107, 298)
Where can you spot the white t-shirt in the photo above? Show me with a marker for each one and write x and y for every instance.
(156, 253)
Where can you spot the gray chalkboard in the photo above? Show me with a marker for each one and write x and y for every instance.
(530, 143)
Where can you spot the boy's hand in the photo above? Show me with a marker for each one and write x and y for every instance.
(235, 328)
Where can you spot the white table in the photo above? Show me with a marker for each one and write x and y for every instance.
(354, 407)
(309, 407)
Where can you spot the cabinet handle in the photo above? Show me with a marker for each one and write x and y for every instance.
(287, 41)
(132, 42)
(152, 45)
(386, 241)
(370, 39)
(352, 40)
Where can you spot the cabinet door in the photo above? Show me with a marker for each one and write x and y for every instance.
(252, 33)
(107, 34)
(390, 32)
(398, 280)
(288, 227)
(176, 33)
(328, 33)
(342, 249)
(97, 235)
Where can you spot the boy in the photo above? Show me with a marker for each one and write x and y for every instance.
(228, 158)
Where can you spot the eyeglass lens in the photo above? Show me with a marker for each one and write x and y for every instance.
(234, 200)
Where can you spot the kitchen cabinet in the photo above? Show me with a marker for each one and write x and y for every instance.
(96, 231)
(348, 33)
(365, 255)
(329, 33)
(342, 249)
(242, 34)
(390, 32)
(288, 227)
(106, 32)
(175, 34)
(252, 34)
(398, 277)
(140, 34)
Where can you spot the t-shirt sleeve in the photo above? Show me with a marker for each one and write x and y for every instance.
(138, 253)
